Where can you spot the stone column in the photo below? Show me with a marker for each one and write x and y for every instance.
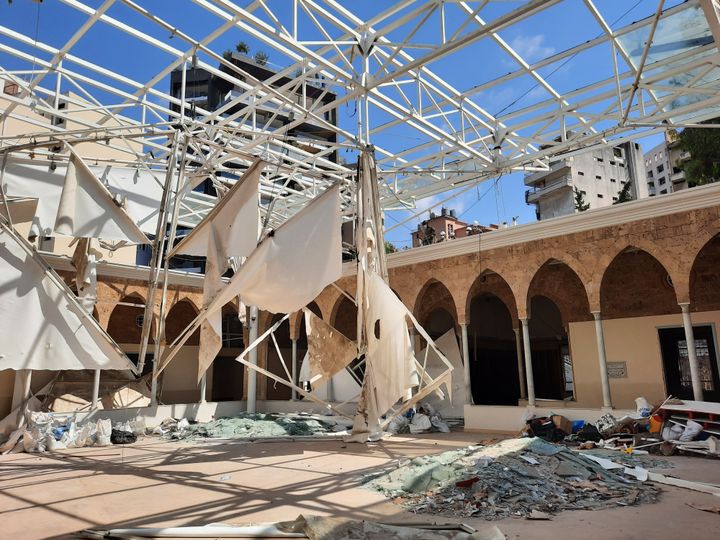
(95, 389)
(293, 368)
(528, 363)
(602, 360)
(466, 364)
(692, 353)
(521, 368)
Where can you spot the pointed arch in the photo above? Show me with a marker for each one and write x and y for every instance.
(126, 320)
(636, 284)
(491, 282)
(433, 296)
(180, 315)
(704, 279)
(561, 284)
(344, 317)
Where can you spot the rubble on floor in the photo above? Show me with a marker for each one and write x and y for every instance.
(514, 477)
(423, 419)
(255, 426)
(313, 528)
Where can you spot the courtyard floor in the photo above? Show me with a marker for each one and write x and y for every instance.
(156, 483)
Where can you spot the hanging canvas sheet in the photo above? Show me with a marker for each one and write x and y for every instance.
(42, 324)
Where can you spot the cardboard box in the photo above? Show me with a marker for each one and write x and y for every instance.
(562, 423)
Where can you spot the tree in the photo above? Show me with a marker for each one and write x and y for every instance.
(703, 144)
(242, 47)
(624, 195)
(227, 55)
(580, 204)
(261, 57)
(389, 247)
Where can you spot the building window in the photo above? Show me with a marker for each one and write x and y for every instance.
(651, 184)
(622, 165)
(612, 162)
(649, 174)
(580, 173)
(660, 168)
(600, 195)
(599, 159)
(617, 152)
(613, 180)
(663, 192)
(661, 180)
(451, 229)
(598, 177)
(615, 199)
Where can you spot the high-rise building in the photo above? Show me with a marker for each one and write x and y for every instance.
(663, 167)
(599, 176)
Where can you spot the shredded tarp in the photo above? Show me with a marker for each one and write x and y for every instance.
(229, 230)
(293, 264)
(514, 477)
(87, 209)
(41, 325)
(389, 367)
(26, 178)
(448, 345)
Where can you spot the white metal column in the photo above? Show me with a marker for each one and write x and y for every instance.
(521, 367)
(294, 367)
(203, 388)
(528, 363)
(253, 359)
(466, 364)
(692, 353)
(96, 389)
(21, 388)
(602, 360)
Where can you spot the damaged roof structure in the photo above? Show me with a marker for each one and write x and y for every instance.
(138, 139)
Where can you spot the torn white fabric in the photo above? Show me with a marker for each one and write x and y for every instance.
(85, 264)
(211, 327)
(87, 209)
(235, 219)
(389, 360)
(41, 325)
(448, 345)
(31, 178)
(293, 264)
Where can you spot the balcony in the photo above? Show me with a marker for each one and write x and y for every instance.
(532, 195)
(557, 168)
(677, 177)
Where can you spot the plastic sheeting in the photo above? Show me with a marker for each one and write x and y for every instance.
(41, 325)
(448, 345)
(229, 230)
(293, 264)
(87, 209)
(29, 178)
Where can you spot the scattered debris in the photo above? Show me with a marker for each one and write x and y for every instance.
(424, 419)
(712, 509)
(500, 480)
(254, 426)
(314, 528)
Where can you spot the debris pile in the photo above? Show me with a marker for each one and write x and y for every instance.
(253, 426)
(47, 432)
(423, 419)
(517, 477)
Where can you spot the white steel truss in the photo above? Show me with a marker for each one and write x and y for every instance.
(419, 79)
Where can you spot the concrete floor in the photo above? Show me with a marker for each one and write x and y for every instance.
(153, 483)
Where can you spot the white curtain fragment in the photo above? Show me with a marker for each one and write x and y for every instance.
(294, 263)
(85, 264)
(141, 189)
(41, 325)
(389, 359)
(229, 230)
(88, 210)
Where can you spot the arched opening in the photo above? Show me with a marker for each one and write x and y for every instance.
(705, 278)
(493, 359)
(704, 296)
(635, 284)
(179, 379)
(435, 297)
(125, 327)
(557, 298)
(344, 318)
(552, 367)
(228, 375)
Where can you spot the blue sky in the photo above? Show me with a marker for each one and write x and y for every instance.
(551, 31)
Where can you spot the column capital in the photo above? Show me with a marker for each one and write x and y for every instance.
(596, 315)
(684, 306)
